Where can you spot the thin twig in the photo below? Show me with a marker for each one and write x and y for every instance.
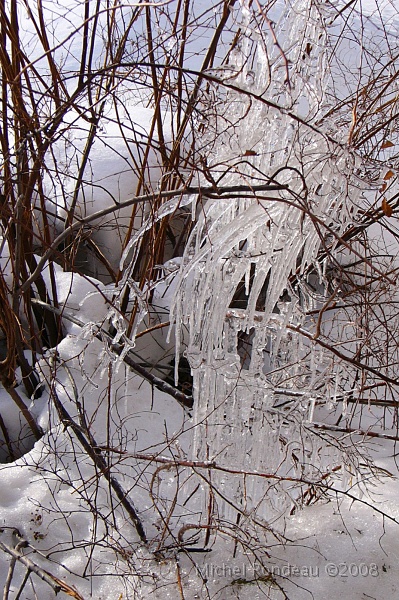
(91, 448)
(56, 584)
(37, 432)
(213, 465)
(348, 359)
(349, 430)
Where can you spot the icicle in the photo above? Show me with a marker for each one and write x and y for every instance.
(247, 279)
(344, 409)
(238, 355)
(312, 404)
(166, 209)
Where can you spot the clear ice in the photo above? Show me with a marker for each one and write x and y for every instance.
(245, 278)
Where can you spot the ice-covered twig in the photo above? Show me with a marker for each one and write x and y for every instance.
(183, 399)
(213, 465)
(160, 384)
(349, 359)
(351, 431)
(204, 191)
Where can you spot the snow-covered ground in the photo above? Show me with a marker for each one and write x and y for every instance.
(54, 498)
(63, 512)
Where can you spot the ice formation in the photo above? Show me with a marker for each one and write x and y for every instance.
(255, 380)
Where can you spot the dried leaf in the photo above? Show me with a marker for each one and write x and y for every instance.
(67, 589)
(387, 144)
(250, 153)
(387, 208)
(388, 175)
(383, 187)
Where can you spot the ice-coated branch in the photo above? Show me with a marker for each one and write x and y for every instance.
(206, 191)
(342, 356)
(207, 76)
(183, 399)
(160, 384)
(214, 466)
(360, 432)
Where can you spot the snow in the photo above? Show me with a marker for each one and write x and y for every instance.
(47, 496)
(109, 178)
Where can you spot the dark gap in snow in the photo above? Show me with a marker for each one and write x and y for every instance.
(261, 300)
(244, 347)
(185, 384)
